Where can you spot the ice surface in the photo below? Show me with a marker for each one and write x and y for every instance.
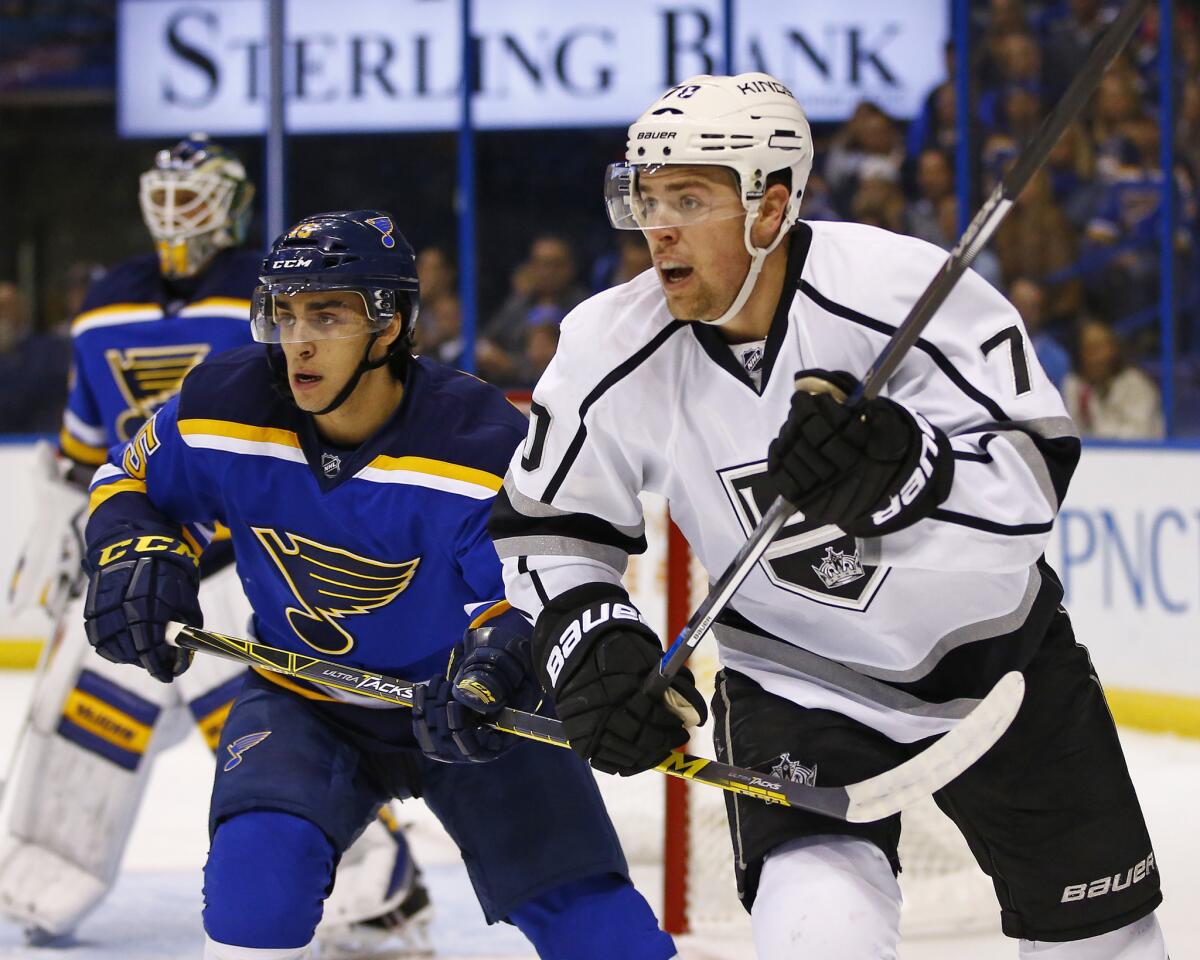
(154, 911)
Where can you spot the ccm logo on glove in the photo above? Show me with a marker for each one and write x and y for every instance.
(918, 480)
(581, 626)
(150, 543)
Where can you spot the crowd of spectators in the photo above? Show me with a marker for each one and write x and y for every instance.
(1078, 255)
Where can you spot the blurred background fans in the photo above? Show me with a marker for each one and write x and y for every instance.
(916, 110)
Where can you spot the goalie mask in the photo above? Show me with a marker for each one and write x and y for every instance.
(750, 124)
(358, 252)
(195, 202)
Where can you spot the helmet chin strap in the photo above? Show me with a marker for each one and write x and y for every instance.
(348, 387)
(758, 256)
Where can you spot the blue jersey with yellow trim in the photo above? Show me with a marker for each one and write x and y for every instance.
(372, 556)
(137, 336)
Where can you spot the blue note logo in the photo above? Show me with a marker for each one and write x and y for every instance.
(241, 745)
(384, 226)
(331, 584)
(148, 377)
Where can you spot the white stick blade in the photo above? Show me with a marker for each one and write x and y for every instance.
(929, 771)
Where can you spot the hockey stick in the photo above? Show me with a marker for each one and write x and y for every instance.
(880, 796)
(977, 234)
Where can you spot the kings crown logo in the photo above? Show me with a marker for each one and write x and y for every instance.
(794, 770)
(838, 569)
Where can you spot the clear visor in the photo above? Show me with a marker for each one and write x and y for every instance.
(302, 311)
(638, 200)
(177, 204)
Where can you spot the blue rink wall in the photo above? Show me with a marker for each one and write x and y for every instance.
(1126, 544)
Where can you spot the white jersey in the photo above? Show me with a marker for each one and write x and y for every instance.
(902, 632)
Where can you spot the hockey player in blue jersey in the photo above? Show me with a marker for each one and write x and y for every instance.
(96, 728)
(356, 482)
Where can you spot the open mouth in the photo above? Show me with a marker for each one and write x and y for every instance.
(306, 380)
(675, 275)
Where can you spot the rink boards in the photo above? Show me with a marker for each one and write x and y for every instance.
(1126, 545)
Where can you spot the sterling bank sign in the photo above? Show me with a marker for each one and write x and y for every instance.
(359, 65)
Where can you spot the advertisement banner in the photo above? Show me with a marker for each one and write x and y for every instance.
(1127, 547)
(379, 65)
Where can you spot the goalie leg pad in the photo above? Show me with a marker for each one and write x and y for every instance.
(373, 876)
(85, 758)
(266, 878)
(596, 918)
(1140, 940)
(830, 897)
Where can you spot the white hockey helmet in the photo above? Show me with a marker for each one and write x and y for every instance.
(750, 123)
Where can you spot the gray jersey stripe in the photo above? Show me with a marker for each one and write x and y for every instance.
(1049, 428)
(510, 548)
(536, 509)
(741, 650)
(1032, 457)
(842, 673)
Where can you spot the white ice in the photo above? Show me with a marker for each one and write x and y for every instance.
(154, 912)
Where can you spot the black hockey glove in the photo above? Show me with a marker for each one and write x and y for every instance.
(593, 651)
(136, 587)
(871, 470)
(488, 671)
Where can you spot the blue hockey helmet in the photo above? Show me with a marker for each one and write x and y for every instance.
(356, 251)
(195, 201)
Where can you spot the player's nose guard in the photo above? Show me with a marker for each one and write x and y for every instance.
(635, 204)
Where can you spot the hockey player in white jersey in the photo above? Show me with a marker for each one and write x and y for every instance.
(910, 579)
(95, 728)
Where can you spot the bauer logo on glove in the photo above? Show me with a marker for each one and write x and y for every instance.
(585, 623)
(917, 481)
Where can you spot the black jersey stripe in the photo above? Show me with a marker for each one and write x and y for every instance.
(991, 526)
(940, 359)
(523, 567)
(613, 377)
(507, 521)
(1059, 454)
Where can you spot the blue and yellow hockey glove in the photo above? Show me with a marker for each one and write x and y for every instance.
(488, 671)
(136, 587)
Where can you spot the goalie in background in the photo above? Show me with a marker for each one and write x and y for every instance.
(94, 728)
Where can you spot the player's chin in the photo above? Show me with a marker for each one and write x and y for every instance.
(308, 400)
(687, 309)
